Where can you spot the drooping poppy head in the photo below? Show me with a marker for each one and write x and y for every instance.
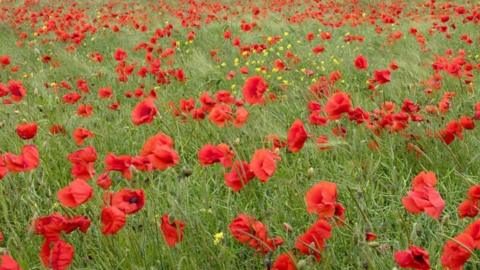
(172, 231)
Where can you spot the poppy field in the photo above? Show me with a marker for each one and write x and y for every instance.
(203, 134)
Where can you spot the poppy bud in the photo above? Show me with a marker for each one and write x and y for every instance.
(186, 172)
(310, 172)
(301, 264)
(287, 227)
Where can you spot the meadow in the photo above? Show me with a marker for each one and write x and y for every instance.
(202, 134)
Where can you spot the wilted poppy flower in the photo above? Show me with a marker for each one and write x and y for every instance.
(113, 219)
(249, 231)
(128, 201)
(172, 231)
(414, 258)
(263, 164)
(27, 131)
(144, 112)
(8, 263)
(312, 242)
(338, 104)
(322, 199)
(75, 194)
(253, 90)
(297, 135)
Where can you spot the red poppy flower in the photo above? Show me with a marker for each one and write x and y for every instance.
(80, 134)
(8, 263)
(297, 135)
(413, 258)
(424, 197)
(129, 201)
(220, 114)
(338, 104)
(456, 252)
(210, 154)
(312, 242)
(172, 231)
(83, 161)
(3, 167)
(263, 164)
(361, 62)
(119, 55)
(468, 208)
(50, 226)
(474, 231)
(239, 175)
(113, 219)
(104, 181)
(382, 76)
(84, 110)
(284, 262)
(105, 92)
(241, 117)
(75, 194)
(4, 60)
(322, 199)
(26, 161)
(17, 91)
(120, 163)
(27, 131)
(81, 223)
(57, 255)
(249, 231)
(253, 90)
(144, 112)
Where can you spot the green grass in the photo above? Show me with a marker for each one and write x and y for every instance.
(371, 184)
